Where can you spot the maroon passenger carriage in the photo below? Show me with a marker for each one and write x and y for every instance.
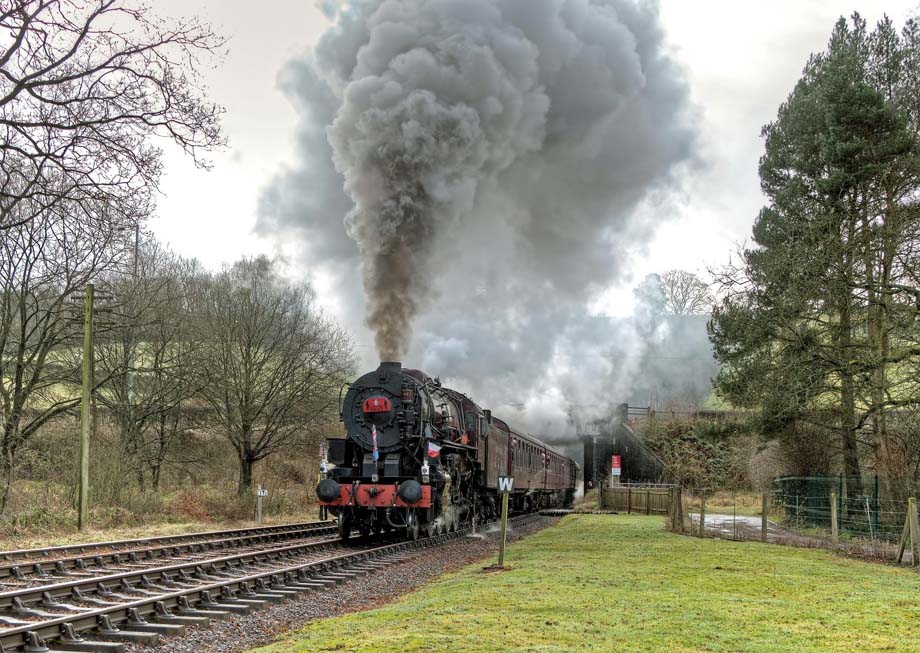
(426, 459)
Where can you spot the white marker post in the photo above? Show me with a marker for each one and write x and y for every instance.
(505, 485)
(260, 492)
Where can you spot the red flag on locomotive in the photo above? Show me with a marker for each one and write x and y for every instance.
(434, 450)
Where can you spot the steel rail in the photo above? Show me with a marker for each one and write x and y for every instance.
(296, 576)
(168, 573)
(25, 571)
(40, 553)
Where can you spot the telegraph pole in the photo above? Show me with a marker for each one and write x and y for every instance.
(132, 344)
(86, 413)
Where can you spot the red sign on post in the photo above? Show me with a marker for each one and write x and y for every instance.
(616, 465)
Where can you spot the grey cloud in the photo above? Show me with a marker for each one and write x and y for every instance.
(500, 159)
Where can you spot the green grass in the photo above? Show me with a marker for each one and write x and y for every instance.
(742, 503)
(602, 583)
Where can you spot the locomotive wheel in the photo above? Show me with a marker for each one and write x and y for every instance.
(411, 525)
(345, 520)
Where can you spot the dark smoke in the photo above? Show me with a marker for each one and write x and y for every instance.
(503, 158)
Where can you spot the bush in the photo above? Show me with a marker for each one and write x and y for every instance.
(767, 463)
(705, 454)
(189, 503)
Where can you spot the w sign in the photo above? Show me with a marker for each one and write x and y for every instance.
(505, 483)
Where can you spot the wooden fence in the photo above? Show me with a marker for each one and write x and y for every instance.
(642, 499)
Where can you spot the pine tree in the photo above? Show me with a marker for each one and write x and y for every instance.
(813, 316)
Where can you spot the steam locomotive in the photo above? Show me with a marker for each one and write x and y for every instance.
(425, 459)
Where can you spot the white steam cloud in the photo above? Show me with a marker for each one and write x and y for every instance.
(495, 163)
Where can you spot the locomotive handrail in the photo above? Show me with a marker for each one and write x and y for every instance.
(341, 408)
(457, 445)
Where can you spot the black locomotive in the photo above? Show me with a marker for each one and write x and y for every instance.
(425, 459)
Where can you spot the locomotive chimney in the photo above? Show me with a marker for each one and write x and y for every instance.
(388, 369)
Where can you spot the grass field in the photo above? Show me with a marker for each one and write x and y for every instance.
(621, 583)
(743, 503)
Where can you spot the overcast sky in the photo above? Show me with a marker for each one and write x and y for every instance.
(742, 58)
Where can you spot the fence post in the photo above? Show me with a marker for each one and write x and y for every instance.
(672, 525)
(834, 524)
(875, 503)
(702, 512)
(844, 496)
(914, 532)
(680, 509)
(763, 517)
(734, 516)
(648, 502)
(676, 509)
(911, 530)
(905, 532)
(600, 496)
(628, 500)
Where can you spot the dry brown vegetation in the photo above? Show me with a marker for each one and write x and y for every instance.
(198, 492)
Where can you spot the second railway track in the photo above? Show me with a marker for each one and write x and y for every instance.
(139, 605)
(52, 553)
(114, 557)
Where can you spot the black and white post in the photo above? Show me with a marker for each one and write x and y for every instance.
(505, 485)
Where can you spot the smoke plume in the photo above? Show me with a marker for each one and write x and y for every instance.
(496, 164)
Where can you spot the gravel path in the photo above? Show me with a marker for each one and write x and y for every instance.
(239, 633)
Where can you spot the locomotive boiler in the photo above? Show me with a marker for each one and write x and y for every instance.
(425, 459)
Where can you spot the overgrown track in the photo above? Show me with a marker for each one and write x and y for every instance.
(144, 604)
(54, 552)
(105, 558)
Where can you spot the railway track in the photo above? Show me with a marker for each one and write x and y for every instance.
(27, 556)
(100, 559)
(103, 611)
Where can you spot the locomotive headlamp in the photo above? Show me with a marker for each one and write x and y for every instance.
(425, 472)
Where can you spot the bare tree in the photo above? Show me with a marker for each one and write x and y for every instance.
(147, 354)
(84, 85)
(44, 261)
(272, 364)
(685, 293)
(174, 378)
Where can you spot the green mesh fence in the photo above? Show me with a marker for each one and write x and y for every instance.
(805, 502)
